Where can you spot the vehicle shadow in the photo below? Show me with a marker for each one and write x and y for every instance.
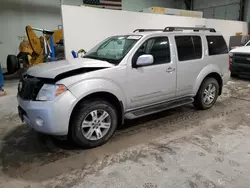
(23, 147)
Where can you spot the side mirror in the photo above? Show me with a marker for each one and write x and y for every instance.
(144, 60)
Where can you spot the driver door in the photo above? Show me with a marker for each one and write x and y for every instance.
(156, 82)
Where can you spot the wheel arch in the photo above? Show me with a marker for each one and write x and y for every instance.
(210, 71)
(216, 76)
(107, 96)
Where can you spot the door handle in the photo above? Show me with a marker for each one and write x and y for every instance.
(170, 70)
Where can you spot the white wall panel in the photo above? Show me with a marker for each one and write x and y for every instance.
(103, 23)
(227, 28)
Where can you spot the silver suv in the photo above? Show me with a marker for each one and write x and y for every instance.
(124, 77)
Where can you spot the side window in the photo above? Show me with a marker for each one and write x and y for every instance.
(188, 47)
(216, 45)
(158, 47)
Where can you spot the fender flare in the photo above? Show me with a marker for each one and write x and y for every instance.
(203, 74)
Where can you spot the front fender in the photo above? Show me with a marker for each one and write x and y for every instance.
(90, 86)
(212, 68)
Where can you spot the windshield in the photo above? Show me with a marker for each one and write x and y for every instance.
(113, 49)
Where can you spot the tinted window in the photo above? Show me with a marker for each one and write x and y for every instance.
(188, 47)
(216, 45)
(158, 48)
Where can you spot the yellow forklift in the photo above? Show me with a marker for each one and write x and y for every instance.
(34, 50)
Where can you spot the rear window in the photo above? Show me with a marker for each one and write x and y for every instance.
(216, 45)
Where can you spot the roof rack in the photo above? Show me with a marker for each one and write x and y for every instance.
(171, 29)
(195, 29)
(145, 30)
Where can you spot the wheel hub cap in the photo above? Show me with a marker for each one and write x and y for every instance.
(209, 94)
(96, 124)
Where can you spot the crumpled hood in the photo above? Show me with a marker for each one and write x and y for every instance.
(242, 49)
(54, 69)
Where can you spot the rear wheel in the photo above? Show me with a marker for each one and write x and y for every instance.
(94, 123)
(207, 94)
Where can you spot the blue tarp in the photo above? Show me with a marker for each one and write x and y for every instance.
(1, 77)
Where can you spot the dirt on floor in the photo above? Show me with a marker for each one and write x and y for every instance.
(182, 147)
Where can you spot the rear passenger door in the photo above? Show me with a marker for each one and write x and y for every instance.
(189, 58)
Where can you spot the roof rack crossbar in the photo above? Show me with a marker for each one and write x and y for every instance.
(145, 30)
(195, 29)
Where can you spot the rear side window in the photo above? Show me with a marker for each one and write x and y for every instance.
(216, 45)
(188, 47)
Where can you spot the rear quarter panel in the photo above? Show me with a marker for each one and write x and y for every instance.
(213, 64)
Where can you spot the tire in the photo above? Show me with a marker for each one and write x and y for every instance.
(12, 64)
(84, 113)
(199, 100)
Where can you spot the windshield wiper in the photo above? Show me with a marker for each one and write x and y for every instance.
(102, 59)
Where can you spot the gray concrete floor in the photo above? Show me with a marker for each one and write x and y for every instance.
(180, 148)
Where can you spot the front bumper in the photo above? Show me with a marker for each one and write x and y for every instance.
(50, 117)
(243, 69)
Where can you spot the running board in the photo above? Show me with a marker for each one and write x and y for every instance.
(158, 108)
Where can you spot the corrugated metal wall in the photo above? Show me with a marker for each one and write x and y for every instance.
(219, 9)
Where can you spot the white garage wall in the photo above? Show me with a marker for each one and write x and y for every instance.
(227, 28)
(111, 22)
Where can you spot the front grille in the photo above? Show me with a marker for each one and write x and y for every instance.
(29, 87)
(241, 58)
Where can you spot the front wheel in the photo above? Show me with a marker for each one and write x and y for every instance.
(94, 123)
(207, 94)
